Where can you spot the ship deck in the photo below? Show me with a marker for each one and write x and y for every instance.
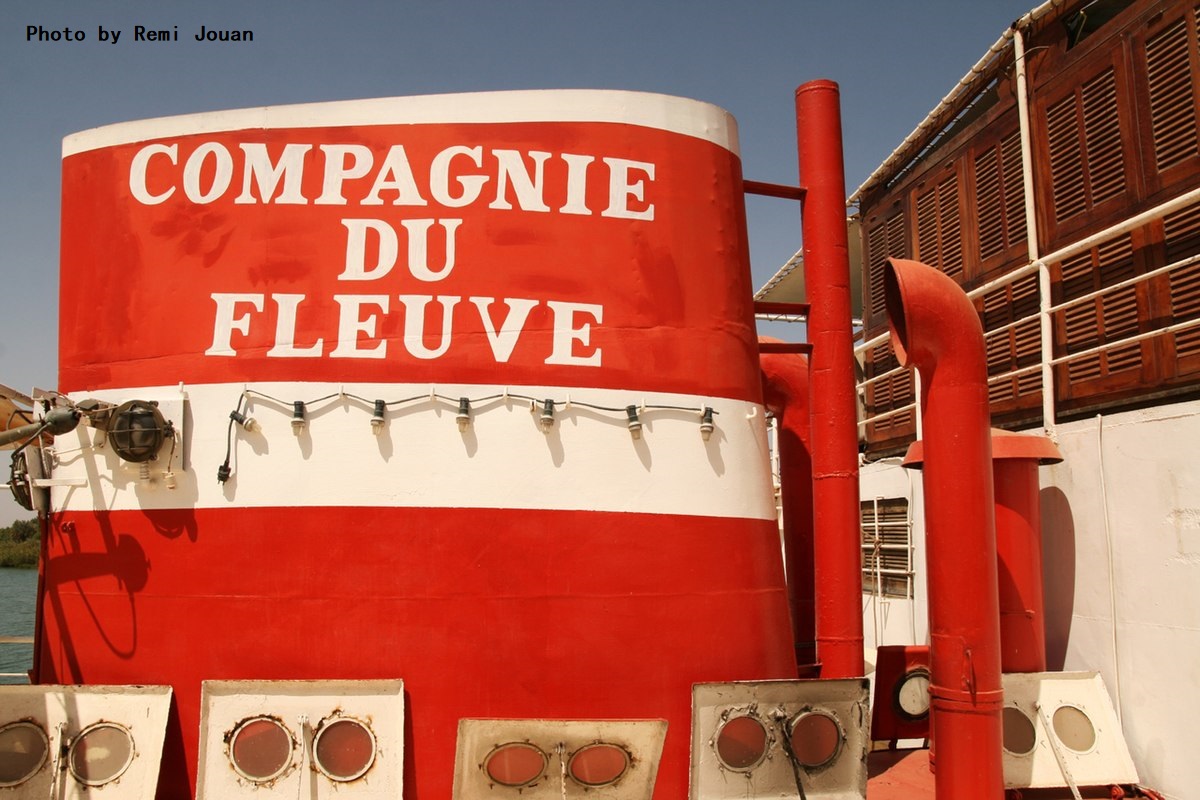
(905, 775)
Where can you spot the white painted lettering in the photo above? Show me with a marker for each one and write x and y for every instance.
(137, 173)
(342, 162)
(285, 330)
(566, 333)
(193, 171)
(528, 190)
(260, 170)
(414, 324)
(356, 250)
(351, 324)
(418, 247)
(395, 175)
(504, 340)
(225, 322)
(576, 183)
(621, 187)
(470, 185)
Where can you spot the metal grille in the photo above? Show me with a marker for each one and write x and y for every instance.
(887, 547)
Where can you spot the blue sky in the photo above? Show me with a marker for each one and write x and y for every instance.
(893, 59)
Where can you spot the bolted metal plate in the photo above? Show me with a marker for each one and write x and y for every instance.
(312, 739)
(541, 759)
(1072, 713)
(73, 742)
(762, 738)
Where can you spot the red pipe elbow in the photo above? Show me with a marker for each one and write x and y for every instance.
(935, 328)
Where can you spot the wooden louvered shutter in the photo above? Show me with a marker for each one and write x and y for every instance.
(1100, 320)
(1084, 140)
(1181, 233)
(1171, 79)
(1017, 345)
(999, 199)
(887, 394)
(939, 227)
(884, 239)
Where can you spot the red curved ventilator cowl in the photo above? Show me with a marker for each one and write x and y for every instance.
(936, 329)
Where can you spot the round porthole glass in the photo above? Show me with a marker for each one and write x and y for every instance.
(344, 749)
(598, 764)
(1074, 729)
(816, 739)
(100, 754)
(1019, 734)
(260, 749)
(23, 750)
(741, 743)
(515, 764)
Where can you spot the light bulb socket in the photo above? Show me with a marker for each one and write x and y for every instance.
(224, 472)
(297, 417)
(634, 424)
(706, 423)
(245, 420)
(464, 414)
(378, 418)
(546, 418)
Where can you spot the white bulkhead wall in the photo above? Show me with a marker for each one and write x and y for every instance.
(1121, 554)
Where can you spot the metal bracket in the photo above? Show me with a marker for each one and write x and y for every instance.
(1058, 753)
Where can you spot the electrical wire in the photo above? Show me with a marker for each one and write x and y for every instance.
(224, 472)
(791, 755)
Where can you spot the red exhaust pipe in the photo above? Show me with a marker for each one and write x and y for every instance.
(935, 328)
(837, 552)
(785, 394)
(1015, 460)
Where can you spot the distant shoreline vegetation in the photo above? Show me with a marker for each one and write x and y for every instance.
(20, 544)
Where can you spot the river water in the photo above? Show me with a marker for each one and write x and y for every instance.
(18, 596)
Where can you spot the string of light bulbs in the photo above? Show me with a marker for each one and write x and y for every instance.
(466, 408)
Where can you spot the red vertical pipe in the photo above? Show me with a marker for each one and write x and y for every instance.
(935, 328)
(1015, 460)
(785, 394)
(837, 550)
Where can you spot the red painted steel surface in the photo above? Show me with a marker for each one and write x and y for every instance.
(1015, 460)
(837, 548)
(484, 613)
(142, 275)
(786, 394)
(935, 328)
(892, 664)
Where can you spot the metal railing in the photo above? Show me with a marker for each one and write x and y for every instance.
(1047, 360)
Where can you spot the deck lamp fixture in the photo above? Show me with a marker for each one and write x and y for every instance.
(377, 419)
(245, 420)
(634, 424)
(463, 417)
(137, 431)
(546, 418)
(297, 417)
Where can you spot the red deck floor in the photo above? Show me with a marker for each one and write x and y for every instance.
(905, 775)
(895, 774)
